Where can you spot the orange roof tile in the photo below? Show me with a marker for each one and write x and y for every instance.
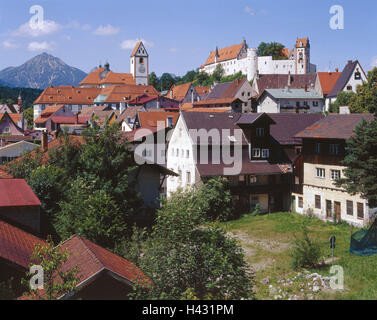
(212, 110)
(14, 116)
(118, 78)
(135, 49)
(227, 53)
(178, 92)
(328, 80)
(116, 94)
(93, 78)
(186, 106)
(202, 90)
(68, 95)
(17, 245)
(302, 42)
(150, 119)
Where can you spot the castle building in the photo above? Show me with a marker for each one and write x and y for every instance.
(240, 57)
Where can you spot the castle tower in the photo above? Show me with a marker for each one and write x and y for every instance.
(302, 56)
(140, 64)
(252, 61)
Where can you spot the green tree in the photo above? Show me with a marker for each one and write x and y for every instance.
(273, 49)
(29, 116)
(186, 255)
(166, 82)
(153, 80)
(218, 73)
(365, 99)
(360, 175)
(48, 183)
(343, 99)
(57, 282)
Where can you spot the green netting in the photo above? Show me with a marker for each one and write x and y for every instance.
(364, 242)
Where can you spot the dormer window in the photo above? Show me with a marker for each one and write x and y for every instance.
(169, 122)
(256, 152)
(265, 153)
(357, 75)
(260, 132)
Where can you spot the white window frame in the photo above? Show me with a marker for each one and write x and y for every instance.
(318, 173)
(256, 152)
(265, 153)
(335, 174)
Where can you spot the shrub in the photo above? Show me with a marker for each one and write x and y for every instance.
(306, 252)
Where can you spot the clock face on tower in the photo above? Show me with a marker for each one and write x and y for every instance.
(141, 69)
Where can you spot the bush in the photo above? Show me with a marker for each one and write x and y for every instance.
(306, 252)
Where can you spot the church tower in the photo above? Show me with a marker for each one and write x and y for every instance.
(302, 56)
(140, 64)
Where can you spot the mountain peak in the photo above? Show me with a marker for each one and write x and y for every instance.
(42, 71)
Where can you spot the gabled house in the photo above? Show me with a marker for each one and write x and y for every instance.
(351, 77)
(12, 151)
(320, 165)
(238, 89)
(127, 118)
(183, 93)
(255, 152)
(19, 204)
(325, 83)
(155, 102)
(102, 274)
(290, 101)
(9, 124)
(282, 81)
(153, 119)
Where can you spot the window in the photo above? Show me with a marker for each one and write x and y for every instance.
(179, 175)
(300, 202)
(188, 177)
(349, 88)
(335, 174)
(187, 153)
(305, 103)
(141, 60)
(253, 179)
(177, 153)
(6, 130)
(360, 210)
(357, 75)
(317, 148)
(172, 151)
(350, 208)
(265, 153)
(169, 122)
(334, 149)
(315, 104)
(256, 153)
(260, 132)
(318, 202)
(320, 173)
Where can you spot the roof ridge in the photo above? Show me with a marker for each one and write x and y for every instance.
(91, 252)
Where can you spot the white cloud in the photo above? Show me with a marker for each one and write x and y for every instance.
(106, 30)
(373, 63)
(130, 44)
(9, 44)
(86, 27)
(44, 28)
(40, 46)
(250, 11)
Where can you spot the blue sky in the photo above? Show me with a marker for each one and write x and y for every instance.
(180, 34)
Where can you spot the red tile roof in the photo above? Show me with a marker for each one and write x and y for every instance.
(17, 245)
(328, 80)
(334, 126)
(150, 119)
(91, 259)
(178, 92)
(68, 95)
(4, 175)
(17, 193)
(136, 48)
(225, 54)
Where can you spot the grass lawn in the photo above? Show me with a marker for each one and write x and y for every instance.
(267, 241)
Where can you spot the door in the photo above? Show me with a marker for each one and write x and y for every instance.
(328, 209)
(337, 210)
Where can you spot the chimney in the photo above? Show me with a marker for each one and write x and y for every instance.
(44, 141)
